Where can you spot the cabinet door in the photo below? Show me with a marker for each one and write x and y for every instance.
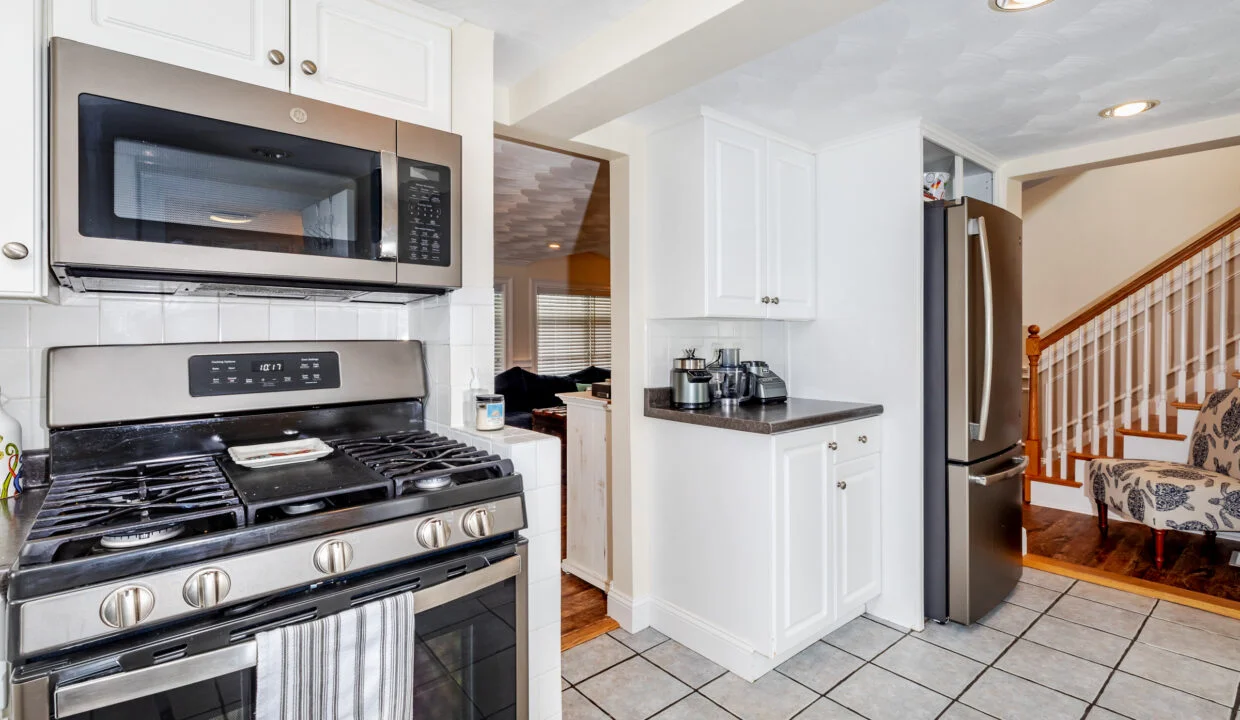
(21, 144)
(735, 222)
(372, 57)
(791, 233)
(803, 592)
(858, 544)
(231, 38)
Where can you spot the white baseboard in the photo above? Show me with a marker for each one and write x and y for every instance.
(1062, 497)
(633, 615)
(589, 576)
(724, 648)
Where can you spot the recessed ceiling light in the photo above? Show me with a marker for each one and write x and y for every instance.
(231, 218)
(553, 246)
(1016, 5)
(1128, 109)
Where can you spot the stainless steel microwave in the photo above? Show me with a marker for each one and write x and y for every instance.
(170, 180)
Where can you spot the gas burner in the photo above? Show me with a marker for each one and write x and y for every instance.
(127, 540)
(303, 508)
(433, 482)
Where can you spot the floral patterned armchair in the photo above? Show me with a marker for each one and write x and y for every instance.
(1202, 494)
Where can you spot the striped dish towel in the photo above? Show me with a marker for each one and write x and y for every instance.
(356, 665)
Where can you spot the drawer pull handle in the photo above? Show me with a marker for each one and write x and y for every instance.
(863, 439)
(833, 445)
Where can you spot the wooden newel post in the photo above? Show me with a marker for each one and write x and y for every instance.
(1033, 433)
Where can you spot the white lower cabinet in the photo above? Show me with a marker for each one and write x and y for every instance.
(763, 543)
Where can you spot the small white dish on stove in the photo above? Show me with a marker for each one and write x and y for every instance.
(268, 455)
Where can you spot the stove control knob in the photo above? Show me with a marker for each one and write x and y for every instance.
(207, 588)
(434, 534)
(477, 523)
(333, 557)
(127, 606)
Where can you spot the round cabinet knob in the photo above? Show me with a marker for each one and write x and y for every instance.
(833, 445)
(862, 439)
(333, 557)
(434, 534)
(775, 301)
(308, 67)
(276, 57)
(15, 250)
(207, 588)
(842, 485)
(127, 606)
(477, 523)
(766, 300)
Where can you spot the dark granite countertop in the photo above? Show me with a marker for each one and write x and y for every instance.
(17, 513)
(793, 414)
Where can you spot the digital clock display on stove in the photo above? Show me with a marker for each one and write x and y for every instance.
(280, 372)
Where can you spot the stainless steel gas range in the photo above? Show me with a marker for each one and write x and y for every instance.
(156, 559)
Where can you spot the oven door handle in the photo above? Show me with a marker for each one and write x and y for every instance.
(99, 693)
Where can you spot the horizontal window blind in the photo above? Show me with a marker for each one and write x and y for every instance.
(574, 332)
(501, 329)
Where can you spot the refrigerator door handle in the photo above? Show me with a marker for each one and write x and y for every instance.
(1017, 469)
(977, 226)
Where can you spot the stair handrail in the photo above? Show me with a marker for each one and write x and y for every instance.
(1140, 280)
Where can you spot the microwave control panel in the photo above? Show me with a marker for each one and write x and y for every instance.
(276, 372)
(425, 226)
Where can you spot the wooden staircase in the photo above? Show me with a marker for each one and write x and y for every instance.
(1126, 376)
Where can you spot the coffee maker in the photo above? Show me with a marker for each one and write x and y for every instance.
(690, 382)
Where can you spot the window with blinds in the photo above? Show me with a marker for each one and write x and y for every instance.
(501, 329)
(574, 332)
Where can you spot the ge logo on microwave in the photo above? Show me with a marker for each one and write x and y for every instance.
(299, 115)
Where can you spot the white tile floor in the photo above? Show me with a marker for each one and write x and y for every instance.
(1057, 649)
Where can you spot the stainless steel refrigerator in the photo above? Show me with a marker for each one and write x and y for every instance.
(975, 459)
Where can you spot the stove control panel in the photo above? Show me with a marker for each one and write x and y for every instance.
(257, 373)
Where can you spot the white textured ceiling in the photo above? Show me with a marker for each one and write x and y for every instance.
(1013, 83)
(544, 197)
(529, 33)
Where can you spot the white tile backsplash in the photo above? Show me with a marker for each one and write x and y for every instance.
(27, 329)
(758, 340)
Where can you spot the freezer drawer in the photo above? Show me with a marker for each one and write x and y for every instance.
(984, 534)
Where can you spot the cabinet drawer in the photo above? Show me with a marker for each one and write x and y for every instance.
(858, 439)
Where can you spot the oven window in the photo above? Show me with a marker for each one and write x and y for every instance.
(467, 657)
(162, 176)
(229, 697)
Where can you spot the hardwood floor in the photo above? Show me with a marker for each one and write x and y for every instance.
(583, 607)
(1192, 564)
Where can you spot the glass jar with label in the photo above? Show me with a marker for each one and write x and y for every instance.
(489, 412)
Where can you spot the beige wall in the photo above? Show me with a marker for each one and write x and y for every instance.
(583, 270)
(1086, 233)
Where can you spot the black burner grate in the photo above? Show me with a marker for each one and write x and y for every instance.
(130, 503)
(423, 461)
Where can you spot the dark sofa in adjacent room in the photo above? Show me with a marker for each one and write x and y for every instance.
(525, 391)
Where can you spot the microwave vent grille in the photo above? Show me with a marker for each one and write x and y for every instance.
(268, 291)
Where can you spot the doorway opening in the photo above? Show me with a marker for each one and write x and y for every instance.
(553, 348)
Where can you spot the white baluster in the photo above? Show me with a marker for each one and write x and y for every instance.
(1094, 436)
(1129, 341)
(1220, 373)
(1164, 355)
(1065, 346)
(1078, 414)
(1110, 426)
(1202, 318)
(1181, 380)
(1048, 412)
(1147, 326)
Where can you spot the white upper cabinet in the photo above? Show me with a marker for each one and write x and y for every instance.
(372, 57)
(735, 209)
(732, 224)
(364, 54)
(791, 237)
(240, 39)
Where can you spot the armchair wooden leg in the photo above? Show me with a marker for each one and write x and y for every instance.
(1102, 518)
(1211, 536)
(1159, 542)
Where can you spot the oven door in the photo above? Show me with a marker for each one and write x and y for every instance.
(471, 664)
(159, 171)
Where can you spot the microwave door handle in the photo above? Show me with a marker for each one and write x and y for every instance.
(389, 231)
(977, 226)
